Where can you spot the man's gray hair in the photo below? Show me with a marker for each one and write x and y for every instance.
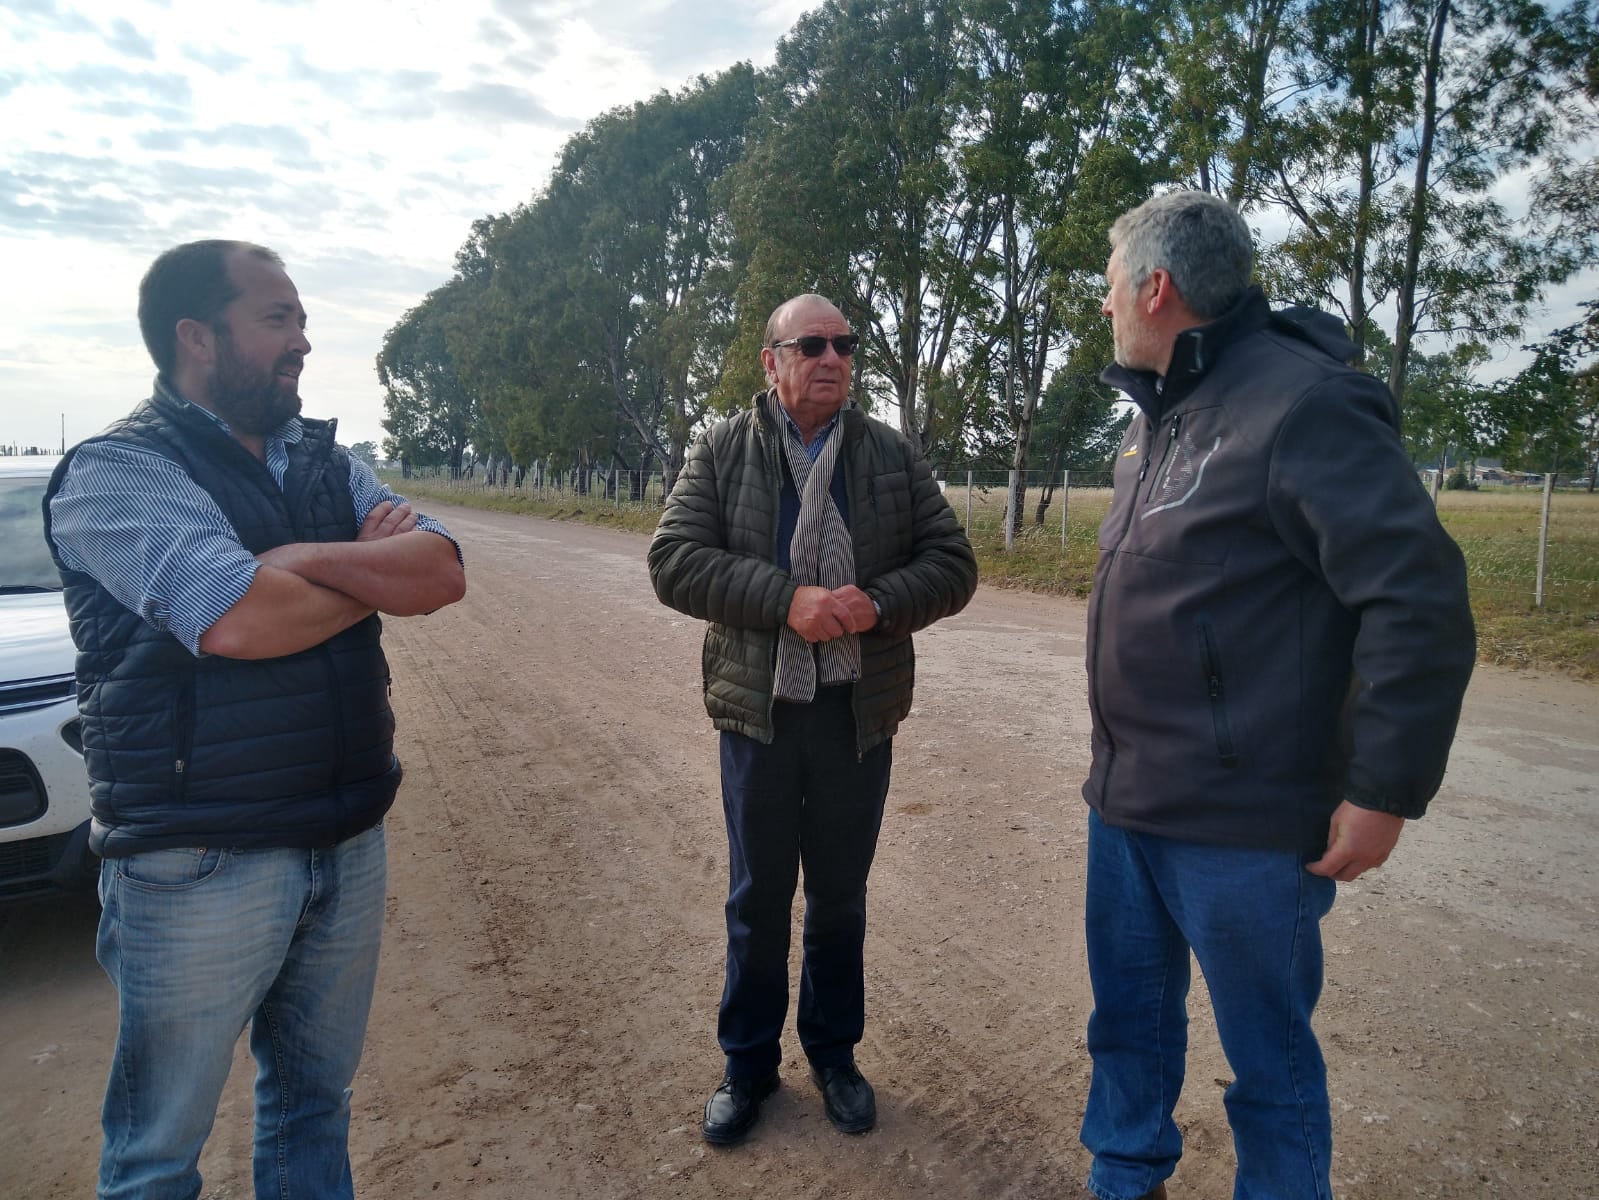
(1197, 237)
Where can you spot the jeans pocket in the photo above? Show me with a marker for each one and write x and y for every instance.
(172, 870)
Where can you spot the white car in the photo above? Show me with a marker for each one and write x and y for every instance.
(44, 788)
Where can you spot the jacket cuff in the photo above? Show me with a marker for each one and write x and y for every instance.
(1363, 797)
(784, 602)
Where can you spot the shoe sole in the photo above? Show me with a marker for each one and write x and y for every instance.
(733, 1137)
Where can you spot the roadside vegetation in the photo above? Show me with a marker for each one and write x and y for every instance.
(1498, 532)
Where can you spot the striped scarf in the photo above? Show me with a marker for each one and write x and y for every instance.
(821, 554)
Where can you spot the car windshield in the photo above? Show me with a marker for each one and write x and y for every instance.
(25, 564)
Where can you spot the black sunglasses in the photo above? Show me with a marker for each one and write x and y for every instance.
(812, 345)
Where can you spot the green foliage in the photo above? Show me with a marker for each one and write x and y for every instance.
(1409, 114)
(430, 414)
(850, 188)
(367, 452)
(946, 171)
(1548, 414)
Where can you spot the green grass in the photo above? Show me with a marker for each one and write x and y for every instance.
(591, 510)
(1497, 530)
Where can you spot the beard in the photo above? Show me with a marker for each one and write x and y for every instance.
(1133, 350)
(250, 400)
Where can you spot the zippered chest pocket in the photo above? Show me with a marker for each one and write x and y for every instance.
(1195, 494)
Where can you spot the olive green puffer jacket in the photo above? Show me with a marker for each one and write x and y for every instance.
(714, 556)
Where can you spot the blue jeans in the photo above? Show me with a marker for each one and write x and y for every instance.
(1253, 920)
(803, 799)
(201, 942)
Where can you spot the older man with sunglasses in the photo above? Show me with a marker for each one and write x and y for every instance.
(814, 541)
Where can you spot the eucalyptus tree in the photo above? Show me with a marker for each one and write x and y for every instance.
(1081, 420)
(646, 280)
(429, 413)
(1225, 85)
(1393, 173)
(600, 308)
(489, 337)
(1049, 147)
(850, 187)
(1548, 413)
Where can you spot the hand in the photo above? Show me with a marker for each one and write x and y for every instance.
(1358, 840)
(816, 614)
(385, 520)
(860, 612)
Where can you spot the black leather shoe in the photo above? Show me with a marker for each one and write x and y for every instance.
(850, 1104)
(734, 1107)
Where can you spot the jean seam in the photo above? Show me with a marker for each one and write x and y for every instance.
(121, 1067)
(1160, 1051)
(280, 1148)
(1293, 1031)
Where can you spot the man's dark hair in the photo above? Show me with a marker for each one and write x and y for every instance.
(188, 281)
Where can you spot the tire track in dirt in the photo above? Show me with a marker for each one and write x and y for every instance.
(643, 776)
(545, 1023)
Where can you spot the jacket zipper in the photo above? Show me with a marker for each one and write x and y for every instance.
(337, 693)
(1211, 662)
(871, 496)
(764, 437)
(1165, 460)
(183, 731)
(1099, 604)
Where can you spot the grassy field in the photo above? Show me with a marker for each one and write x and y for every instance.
(1497, 530)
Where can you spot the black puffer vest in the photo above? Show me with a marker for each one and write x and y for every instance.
(183, 751)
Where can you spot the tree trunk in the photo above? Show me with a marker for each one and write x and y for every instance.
(1405, 328)
(1049, 486)
(1364, 80)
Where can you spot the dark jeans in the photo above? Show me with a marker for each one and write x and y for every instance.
(804, 799)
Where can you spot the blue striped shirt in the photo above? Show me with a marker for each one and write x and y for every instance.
(152, 537)
(815, 447)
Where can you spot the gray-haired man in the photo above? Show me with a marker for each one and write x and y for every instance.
(1278, 643)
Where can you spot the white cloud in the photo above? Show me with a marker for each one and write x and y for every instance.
(359, 139)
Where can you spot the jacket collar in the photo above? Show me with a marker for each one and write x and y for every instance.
(849, 419)
(1195, 352)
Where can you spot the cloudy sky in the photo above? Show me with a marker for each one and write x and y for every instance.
(358, 138)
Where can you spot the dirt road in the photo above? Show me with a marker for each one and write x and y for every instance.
(545, 1024)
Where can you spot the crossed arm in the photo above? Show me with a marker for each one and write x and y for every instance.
(306, 592)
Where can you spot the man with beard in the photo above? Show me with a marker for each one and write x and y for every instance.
(224, 561)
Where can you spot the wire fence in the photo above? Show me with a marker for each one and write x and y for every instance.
(1534, 545)
(1506, 531)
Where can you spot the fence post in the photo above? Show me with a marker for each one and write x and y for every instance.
(1543, 537)
(1010, 521)
(968, 504)
(1065, 491)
